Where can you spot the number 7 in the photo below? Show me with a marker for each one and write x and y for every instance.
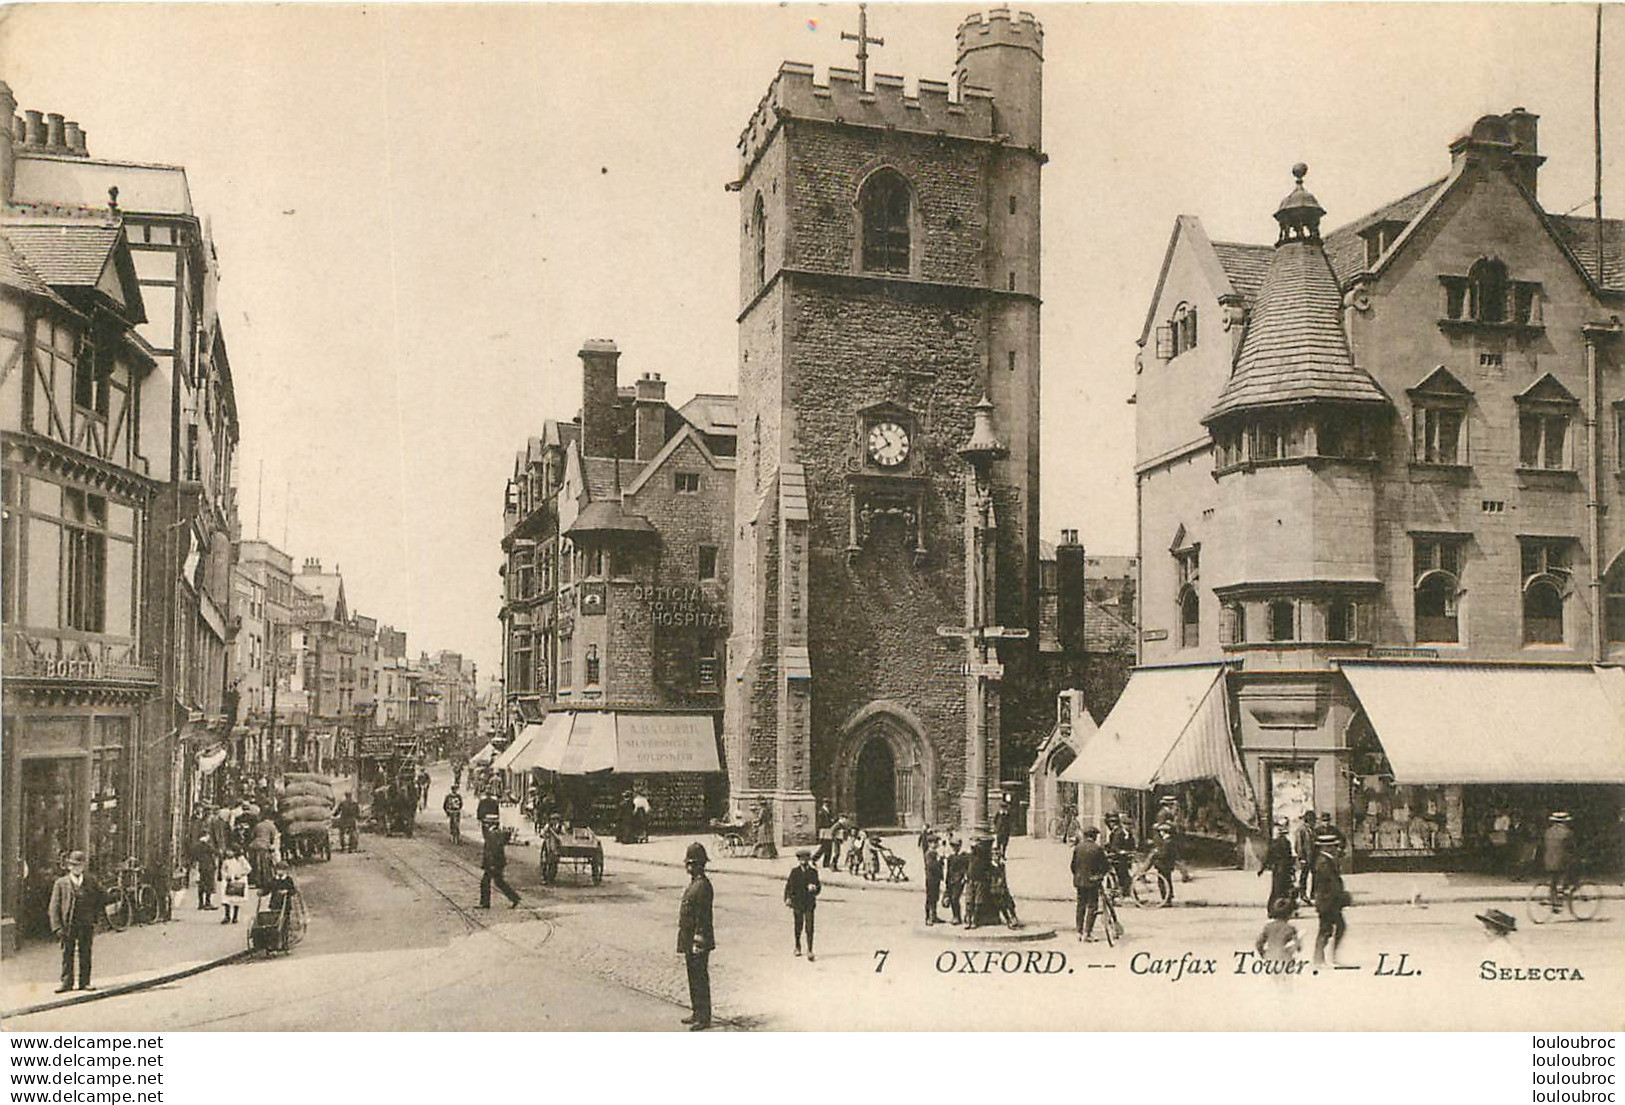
(880, 956)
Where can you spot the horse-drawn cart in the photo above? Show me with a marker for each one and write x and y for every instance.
(578, 846)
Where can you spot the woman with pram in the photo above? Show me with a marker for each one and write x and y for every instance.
(274, 922)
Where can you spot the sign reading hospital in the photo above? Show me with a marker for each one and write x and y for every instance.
(678, 606)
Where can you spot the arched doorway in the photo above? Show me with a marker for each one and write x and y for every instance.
(885, 770)
(876, 782)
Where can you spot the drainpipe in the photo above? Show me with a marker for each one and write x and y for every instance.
(1594, 334)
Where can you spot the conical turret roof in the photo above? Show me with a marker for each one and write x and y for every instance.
(1294, 350)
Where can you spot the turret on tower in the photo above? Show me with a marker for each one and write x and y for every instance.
(1003, 52)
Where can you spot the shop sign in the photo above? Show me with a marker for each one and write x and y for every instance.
(377, 745)
(677, 606)
(1154, 635)
(27, 658)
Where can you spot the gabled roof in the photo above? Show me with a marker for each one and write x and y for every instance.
(87, 254)
(328, 589)
(1246, 265)
(717, 415)
(16, 272)
(687, 433)
(1188, 226)
(1104, 631)
(1345, 248)
(1294, 350)
(66, 252)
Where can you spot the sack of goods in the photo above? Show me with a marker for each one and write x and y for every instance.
(307, 828)
(308, 788)
(292, 808)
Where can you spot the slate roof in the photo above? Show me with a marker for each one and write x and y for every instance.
(608, 517)
(1580, 235)
(1294, 350)
(16, 272)
(599, 474)
(66, 253)
(717, 415)
(1246, 265)
(1345, 249)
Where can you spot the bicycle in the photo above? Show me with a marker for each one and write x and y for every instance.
(1580, 898)
(130, 898)
(1149, 887)
(1064, 826)
(1108, 913)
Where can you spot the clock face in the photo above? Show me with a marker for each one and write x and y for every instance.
(888, 444)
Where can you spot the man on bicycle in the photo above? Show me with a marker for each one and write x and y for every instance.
(453, 805)
(1557, 854)
(1089, 866)
(1119, 850)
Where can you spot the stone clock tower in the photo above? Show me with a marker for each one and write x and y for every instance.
(886, 500)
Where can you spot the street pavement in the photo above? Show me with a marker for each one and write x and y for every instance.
(394, 943)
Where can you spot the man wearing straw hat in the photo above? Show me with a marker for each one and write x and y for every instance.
(75, 898)
(1330, 897)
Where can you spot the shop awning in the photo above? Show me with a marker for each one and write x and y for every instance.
(1491, 723)
(208, 762)
(628, 743)
(1171, 725)
(552, 730)
(504, 760)
(484, 755)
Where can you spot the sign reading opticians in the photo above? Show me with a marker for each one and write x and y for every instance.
(678, 606)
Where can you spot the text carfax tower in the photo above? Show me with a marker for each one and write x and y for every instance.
(889, 254)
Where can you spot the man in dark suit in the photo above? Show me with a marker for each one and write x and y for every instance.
(696, 937)
(1001, 826)
(1330, 897)
(75, 900)
(979, 872)
(1278, 862)
(933, 882)
(1303, 846)
(1089, 865)
(801, 896)
(957, 869)
(494, 861)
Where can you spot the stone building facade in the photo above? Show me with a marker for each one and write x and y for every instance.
(889, 259)
(1375, 474)
(618, 570)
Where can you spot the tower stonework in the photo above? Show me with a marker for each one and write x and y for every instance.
(889, 261)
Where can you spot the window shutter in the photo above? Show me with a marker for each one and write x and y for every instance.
(1165, 343)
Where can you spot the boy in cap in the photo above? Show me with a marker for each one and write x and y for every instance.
(801, 897)
(75, 900)
(696, 937)
(1330, 897)
(957, 869)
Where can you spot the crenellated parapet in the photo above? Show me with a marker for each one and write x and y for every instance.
(1001, 27)
(932, 111)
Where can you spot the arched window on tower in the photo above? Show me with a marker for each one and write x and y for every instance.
(885, 208)
(758, 230)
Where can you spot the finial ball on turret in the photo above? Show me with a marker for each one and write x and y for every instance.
(1299, 171)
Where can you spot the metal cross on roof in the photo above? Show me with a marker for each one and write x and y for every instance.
(864, 42)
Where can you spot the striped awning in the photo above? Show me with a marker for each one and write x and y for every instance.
(1171, 725)
(505, 758)
(589, 741)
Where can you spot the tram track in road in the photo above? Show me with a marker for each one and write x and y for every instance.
(610, 962)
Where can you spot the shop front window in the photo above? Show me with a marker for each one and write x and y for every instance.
(1396, 821)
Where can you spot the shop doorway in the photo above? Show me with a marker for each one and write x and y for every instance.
(876, 783)
(53, 824)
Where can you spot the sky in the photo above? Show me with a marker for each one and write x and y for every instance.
(421, 211)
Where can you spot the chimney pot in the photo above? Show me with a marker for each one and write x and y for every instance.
(34, 124)
(73, 136)
(53, 130)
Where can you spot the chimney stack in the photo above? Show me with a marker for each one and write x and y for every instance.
(600, 361)
(1070, 591)
(1526, 159)
(53, 131)
(8, 150)
(651, 416)
(73, 135)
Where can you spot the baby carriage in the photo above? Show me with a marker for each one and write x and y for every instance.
(279, 921)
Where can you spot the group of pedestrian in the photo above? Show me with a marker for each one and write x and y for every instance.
(973, 884)
(1305, 865)
(632, 818)
(395, 802)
